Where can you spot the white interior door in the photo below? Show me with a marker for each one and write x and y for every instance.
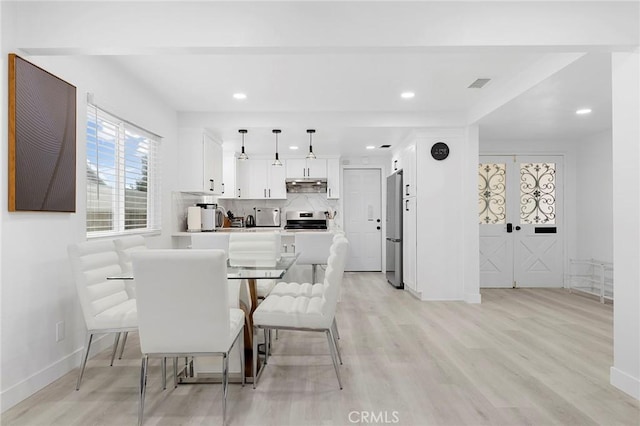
(362, 218)
(520, 216)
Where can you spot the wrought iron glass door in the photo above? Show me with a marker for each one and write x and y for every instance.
(520, 217)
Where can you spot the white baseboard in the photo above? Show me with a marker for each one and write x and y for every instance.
(626, 383)
(32, 384)
(473, 298)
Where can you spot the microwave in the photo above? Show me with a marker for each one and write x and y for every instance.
(267, 216)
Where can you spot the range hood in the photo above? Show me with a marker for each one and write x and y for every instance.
(307, 185)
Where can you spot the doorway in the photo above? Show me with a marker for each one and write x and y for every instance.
(362, 218)
(520, 204)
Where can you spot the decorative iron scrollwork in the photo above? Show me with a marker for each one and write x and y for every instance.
(538, 193)
(492, 193)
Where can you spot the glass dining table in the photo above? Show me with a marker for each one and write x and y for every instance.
(252, 272)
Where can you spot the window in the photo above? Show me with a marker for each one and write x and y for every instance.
(123, 180)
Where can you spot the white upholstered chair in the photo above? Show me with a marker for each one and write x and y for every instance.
(127, 245)
(313, 249)
(313, 288)
(106, 306)
(306, 313)
(255, 249)
(184, 311)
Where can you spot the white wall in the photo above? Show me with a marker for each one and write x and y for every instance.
(36, 282)
(625, 372)
(594, 198)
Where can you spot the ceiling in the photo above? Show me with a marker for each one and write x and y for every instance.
(353, 100)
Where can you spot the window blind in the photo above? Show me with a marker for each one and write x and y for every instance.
(123, 176)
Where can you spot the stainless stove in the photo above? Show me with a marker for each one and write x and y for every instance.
(308, 220)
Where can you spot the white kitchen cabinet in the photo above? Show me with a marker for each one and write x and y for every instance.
(258, 179)
(409, 243)
(199, 162)
(408, 158)
(333, 178)
(229, 175)
(303, 168)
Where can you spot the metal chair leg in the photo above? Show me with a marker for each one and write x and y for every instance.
(124, 342)
(115, 348)
(225, 386)
(266, 345)
(333, 356)
(335, 328)
(335, 344)
(87, 346)
(175, 372)
(163, 363)
(143, 387)
(241, 345)
(255, 357)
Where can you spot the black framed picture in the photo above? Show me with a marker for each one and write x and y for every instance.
(42, 139)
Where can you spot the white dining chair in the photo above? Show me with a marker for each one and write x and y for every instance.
(306, 313)
(255, 249)
(106, 305)
(313, 249)
(183, 310)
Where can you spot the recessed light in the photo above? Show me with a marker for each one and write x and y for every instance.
(583, 111)
(370, 147)
(407, 95)
(239, 96)
(293, 147)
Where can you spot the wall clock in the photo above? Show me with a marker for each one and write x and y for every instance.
(440, 151)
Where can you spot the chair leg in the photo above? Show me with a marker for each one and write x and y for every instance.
(241, 344)
(335, 328)
(163, 363)
(335, 344)
(266, 345)
(255, 356)
(175, 372)
(143, 387)
(313, 273)
(333, 356)
(87, 346)
(115, 348)
(124, 342)
(225, 386)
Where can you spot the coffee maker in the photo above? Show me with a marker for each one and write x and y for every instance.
(208, 216)
(201, 217)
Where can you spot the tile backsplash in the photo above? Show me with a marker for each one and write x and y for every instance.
(314, 202)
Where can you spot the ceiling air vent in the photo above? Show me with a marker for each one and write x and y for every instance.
(385, 146)
(479, 83)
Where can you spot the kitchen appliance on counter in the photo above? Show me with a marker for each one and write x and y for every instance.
(267, 216)
(250, 221)
(306, 220)
(394, 230)
(208, 214)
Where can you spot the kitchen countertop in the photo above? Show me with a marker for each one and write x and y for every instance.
(252, 229)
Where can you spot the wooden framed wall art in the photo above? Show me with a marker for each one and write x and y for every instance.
(42, 139)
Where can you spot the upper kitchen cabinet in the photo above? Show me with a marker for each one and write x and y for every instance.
(258, 179)
(408, 158)
(199, 162)
(303, 168)
(229, 175)
(333, 178)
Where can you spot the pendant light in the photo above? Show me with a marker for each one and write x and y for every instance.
(310, 155)
(243, 155)
(277, 161)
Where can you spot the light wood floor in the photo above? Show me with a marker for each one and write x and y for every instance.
(522, 357)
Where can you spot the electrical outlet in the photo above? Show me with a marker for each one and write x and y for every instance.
(59, 331)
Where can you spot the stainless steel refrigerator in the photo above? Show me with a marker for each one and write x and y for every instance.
(394, 230)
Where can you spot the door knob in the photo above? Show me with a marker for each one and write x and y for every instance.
(377, 227)
(518, 228)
